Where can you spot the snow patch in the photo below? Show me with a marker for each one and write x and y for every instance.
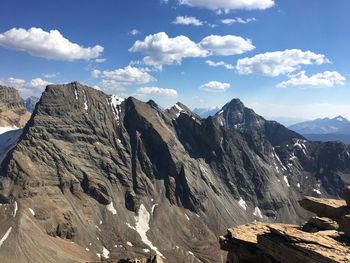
(87, 249)
(142, 226)
(111, 208)
(116, 102)
(105, 252)
(130, 226)
(15, 208)
(153, 207)
(146, 250)
(129, 244)
(86, 107)
(298, 185)
(257, 212)
(6, 129)
(191, 253)
(188, 219)
(31, 211)
(3, 239)
(98, 255)
(317, 191)
(76, 94)
(286, 181)
(242, 203)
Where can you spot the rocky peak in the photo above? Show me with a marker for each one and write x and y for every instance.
(234, 115)
(30, 103)
(12, 110)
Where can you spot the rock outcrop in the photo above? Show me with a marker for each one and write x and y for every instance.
(126, 179)
(318, 240)
(12, 110)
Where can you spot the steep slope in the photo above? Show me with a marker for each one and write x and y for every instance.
(125, 179)
(12, 111)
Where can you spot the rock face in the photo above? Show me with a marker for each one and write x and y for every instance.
(317, 241)
(12, 111)
(126, 179)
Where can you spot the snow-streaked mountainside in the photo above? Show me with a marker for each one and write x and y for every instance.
(206, 112)
(97, 177)
(30, 103)
(335, 129)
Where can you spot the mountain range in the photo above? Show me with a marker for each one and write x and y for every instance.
(94, 176)
(326, 129)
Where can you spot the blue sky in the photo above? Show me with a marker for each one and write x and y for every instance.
(289, 60)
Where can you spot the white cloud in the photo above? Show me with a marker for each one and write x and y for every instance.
(237, 20)
(159, 49)
(134, 32)
(279, 62)
(33, 87)
(95, 73)
(226, 45)
(100, 60)
(219, 64)
(187, 20)
(50, 45)
(325, 79)
(39, 83)
(51, 75)
(227, 5)
(124, 77)
(157, 91)
(12, 82)
(215, 87)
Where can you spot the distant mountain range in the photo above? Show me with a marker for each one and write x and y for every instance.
(30, 103)
(206, 112)
(336, 129)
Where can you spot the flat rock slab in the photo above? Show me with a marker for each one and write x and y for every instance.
(331, 208)
(315, 224)
(290, 245)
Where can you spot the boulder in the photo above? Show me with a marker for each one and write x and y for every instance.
(322, 207)
(315, 224)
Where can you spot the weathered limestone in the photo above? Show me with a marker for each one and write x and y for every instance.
(325, 238)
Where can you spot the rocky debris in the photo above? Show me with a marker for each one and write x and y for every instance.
(315, 224)
(152, 259)
(319, 240)
(126, 179)
(12, 110)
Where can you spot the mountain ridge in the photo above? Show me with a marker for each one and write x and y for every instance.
(95, 169)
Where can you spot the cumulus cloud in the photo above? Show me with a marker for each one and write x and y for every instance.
(157, 91)
(215, 87)
(226, 45)
(100, 60)
(237, 20)
(160, 49)
(279, 62)
(50, 45)
(39, 83)
(123, 77)
(219, 64)
(134, 32)
(325, 79)
(95, 73)
(187, 20)
(33, 87)
(228, 5)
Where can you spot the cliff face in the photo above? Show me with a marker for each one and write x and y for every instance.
(12, 111)
(123, 178)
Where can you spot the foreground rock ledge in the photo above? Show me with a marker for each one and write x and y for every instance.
(318, 241)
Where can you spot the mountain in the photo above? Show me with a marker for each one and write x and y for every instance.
(12, 111)
(206, 112)
(30, 103)
(336, 129)
(95, 176)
